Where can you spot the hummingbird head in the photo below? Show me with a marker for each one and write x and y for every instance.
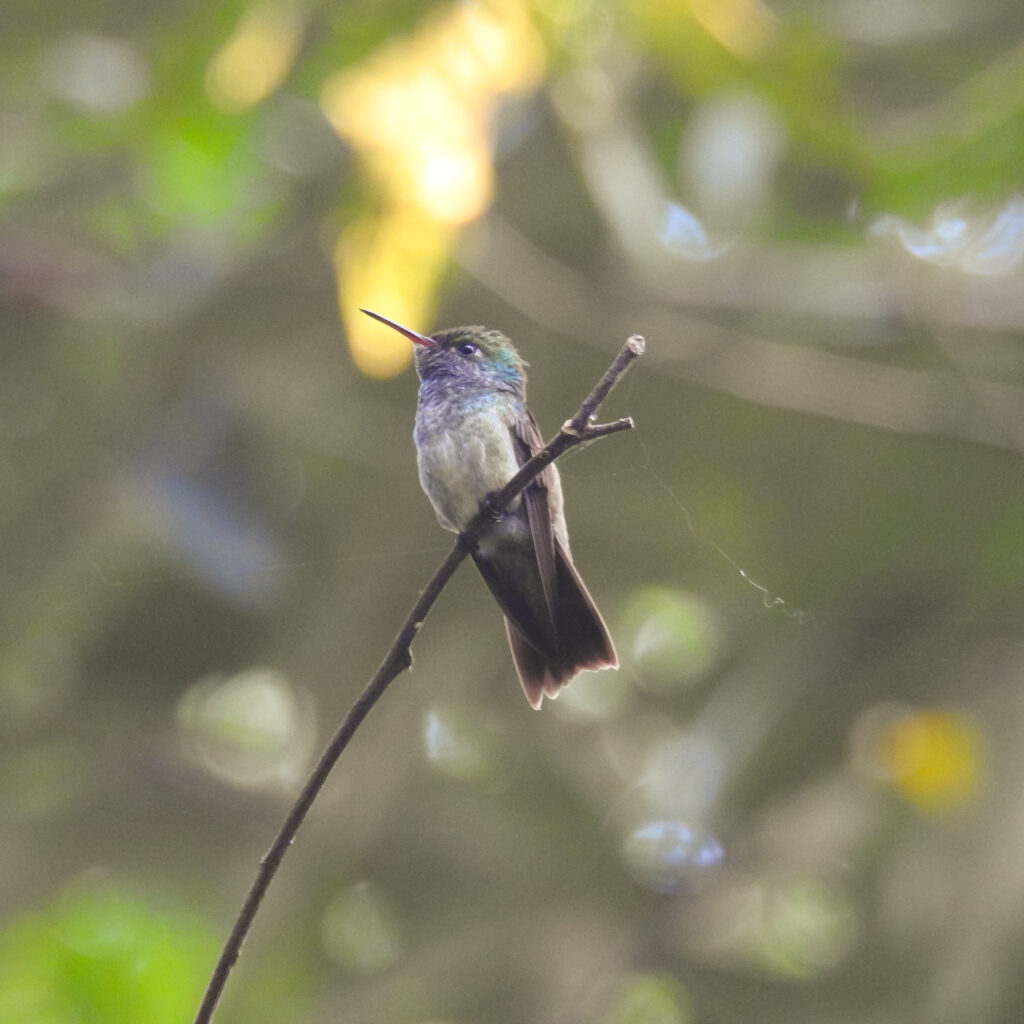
(474, 358)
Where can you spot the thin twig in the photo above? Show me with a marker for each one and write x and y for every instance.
(633, 349)
(576, 431)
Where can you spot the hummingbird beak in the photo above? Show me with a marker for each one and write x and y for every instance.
(413, 336)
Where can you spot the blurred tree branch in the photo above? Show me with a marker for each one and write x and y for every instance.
(576, 431)
(954, 401)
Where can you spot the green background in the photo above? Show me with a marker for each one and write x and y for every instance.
(800, 798)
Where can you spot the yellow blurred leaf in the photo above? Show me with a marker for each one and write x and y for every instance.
(418, 114)
(933, 758)
(258, 55)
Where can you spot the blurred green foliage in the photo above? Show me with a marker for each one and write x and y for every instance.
(809, 552)
(103, 956)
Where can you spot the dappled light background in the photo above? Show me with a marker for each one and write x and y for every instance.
(801, 798)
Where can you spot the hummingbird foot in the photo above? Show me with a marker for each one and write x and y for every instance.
(489, 511)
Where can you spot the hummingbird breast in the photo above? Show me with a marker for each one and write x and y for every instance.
(464, 452)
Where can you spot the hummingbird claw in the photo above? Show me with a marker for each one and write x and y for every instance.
(486, 509)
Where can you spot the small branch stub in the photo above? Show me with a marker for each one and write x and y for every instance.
(596, 430)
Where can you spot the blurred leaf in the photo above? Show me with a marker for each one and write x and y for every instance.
(651, 999)
(674, 636)
(104, 957)
(205, 173)
(933, 758)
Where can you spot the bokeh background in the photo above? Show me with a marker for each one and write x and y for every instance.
(801, 799)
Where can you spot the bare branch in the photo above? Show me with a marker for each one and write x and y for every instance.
(967, 404)
(633, 349)
(576, 431)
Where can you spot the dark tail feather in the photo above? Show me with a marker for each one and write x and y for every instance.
(540, 676)
(583, 640)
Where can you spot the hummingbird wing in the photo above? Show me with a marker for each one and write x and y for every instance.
(527, 441)
(517, 555)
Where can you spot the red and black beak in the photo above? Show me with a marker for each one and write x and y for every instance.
(414, 336)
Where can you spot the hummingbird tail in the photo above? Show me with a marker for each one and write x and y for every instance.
(540, 675)
(582, 638)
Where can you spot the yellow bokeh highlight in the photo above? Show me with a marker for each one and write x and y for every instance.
(258, 55)
(743, 27)
(932, 757)
(418, 115)
(391, 264)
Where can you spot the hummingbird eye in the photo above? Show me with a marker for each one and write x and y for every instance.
(468, 349)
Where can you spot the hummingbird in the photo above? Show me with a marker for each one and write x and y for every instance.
(473, 432)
